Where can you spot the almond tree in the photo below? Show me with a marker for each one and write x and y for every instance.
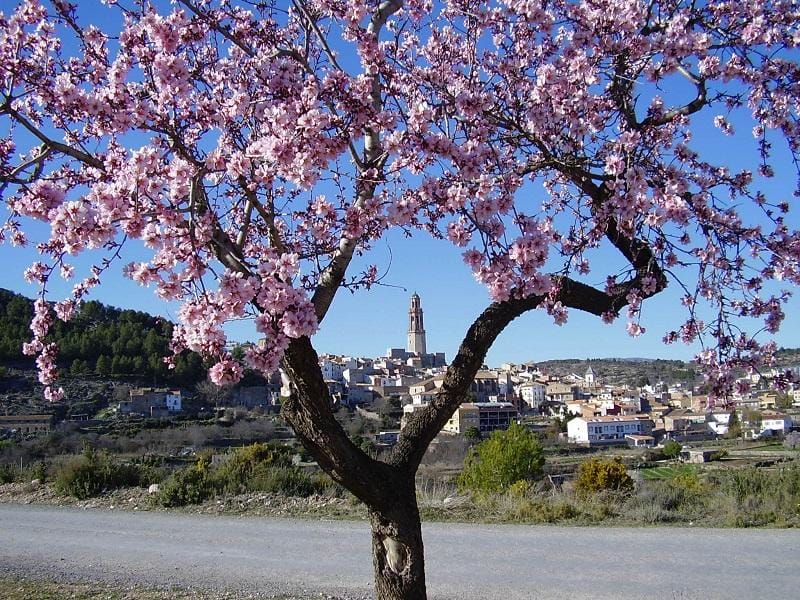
(253, 147)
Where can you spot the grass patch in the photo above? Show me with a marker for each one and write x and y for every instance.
(667, 472)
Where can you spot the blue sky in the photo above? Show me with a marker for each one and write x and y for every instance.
(367, 323)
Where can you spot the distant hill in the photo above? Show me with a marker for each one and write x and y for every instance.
(626, 371)
(99, 340)
(788, 357)
(641, 371)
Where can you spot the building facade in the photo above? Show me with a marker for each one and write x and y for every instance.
(26, 423)
(607, 430)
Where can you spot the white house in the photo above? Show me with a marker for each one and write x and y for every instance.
(777, 423)
(331, 370)
(423, 392)
(173, 401)
(718, 422)
(533, 393)
(575, 407)
(610, 429)
(795, 394)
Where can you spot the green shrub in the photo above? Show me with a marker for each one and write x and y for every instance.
(289, 481)
(237, 472)
(503, 459)
(37, 470)
(93, 472)
(520, 489)
(601, 475)
(544, 510)
(151, 470)
(254, 468)
(190, 485)
(718, 455)
(672, 449)
(684, 492)
(472, 433)
(7, 473)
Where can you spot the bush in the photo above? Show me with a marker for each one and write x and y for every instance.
(541, 510)
(505, 458)
(601, 475)
(245, 466)
(718, 455)
(38, 471)
(191, 485)
(93, 472)
(7, 473)
(473, 434)
(254, 468)
(672, 449)
(151, 470)
(289, 481)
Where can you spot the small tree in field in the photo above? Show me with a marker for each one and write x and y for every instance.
(672, 449)
(253, 148)
(473, 434)
(734, 427)
(503, 459)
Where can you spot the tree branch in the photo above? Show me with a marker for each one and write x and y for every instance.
(424, 425)
(692, 107)
(333, 275)
(57, 146)
(308, 411)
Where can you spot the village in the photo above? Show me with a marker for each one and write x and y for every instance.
(587, 411)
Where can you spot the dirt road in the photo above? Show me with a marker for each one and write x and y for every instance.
(464, 562)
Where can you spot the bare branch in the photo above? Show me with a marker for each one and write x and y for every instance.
(333, 274)
(79, 155)
(688, 109)
(312, 22)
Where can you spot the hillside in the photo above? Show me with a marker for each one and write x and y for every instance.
(100, 340)
(625, 371)
(643, 371)
(99, 345)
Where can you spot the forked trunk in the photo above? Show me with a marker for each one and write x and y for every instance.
(397, 551)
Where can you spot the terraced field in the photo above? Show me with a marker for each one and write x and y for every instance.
(667, 472)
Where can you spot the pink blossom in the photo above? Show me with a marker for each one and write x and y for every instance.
(225, 372)
(53, 395)
(634, 329)
(559, 313)
(205, 139)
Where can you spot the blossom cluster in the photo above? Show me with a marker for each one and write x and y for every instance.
(254, 148)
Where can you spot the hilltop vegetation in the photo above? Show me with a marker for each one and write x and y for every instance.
(788, 357)
(99, 340)
(626, 371)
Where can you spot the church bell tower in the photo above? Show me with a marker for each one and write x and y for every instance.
(416, 330)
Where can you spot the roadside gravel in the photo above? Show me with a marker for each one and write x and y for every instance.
(137, 499)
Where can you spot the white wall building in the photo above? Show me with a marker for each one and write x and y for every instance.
(775, 422)
(331, 370)
(533, 394)
(607, 430)
(173, 401)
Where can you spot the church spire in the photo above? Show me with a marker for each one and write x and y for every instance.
(416, 328)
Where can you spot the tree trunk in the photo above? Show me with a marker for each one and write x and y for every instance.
(397, 551)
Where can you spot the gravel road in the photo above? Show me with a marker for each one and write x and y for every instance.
(464, 562)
